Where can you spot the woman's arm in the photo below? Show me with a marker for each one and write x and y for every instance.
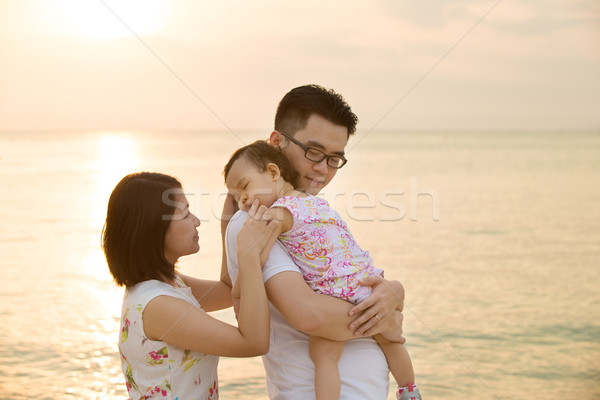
(286, 220)
(212, 295)
(178, 322)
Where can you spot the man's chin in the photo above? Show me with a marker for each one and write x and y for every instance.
(312, 187)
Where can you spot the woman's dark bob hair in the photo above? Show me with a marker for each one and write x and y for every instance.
(137, 219)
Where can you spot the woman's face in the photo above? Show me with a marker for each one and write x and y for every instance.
(181, 238)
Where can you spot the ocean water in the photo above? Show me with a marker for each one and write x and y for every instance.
(495, 236)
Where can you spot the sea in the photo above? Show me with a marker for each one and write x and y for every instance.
(495, 236)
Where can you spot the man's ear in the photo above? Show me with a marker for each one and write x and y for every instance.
(275, 139)
(274, 171)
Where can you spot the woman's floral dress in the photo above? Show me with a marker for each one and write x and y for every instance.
(323, 248)
(155, 369)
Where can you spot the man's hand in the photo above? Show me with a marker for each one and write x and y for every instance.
(389, 327)
(386, 297)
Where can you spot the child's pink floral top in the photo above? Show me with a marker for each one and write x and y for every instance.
(155, 369)
(323, 248)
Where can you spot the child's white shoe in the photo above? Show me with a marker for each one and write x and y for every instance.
(410, 392)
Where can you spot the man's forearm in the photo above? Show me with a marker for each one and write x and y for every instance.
(320, 315)
(332, 319)
(312, 313)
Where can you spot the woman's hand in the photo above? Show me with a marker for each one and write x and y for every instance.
(386, 297)
(257, 233)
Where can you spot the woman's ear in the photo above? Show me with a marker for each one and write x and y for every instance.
(273, 171)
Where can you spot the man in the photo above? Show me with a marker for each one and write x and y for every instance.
(312, 126)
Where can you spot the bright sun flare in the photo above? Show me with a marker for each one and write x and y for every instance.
(109, 19)
(117, 157)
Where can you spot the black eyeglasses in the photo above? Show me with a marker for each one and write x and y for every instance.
(316, 155)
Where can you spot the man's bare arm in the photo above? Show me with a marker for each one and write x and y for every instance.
(320, 315)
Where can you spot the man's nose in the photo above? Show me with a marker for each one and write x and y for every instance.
(321, 166)
(196, 221)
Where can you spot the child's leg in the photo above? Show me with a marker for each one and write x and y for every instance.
(325, 354)
(398, 360)
(399, 363)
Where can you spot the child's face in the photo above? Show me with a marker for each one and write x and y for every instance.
(246, 183)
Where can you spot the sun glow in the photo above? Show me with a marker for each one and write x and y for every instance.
(105, 20)
(117, 157)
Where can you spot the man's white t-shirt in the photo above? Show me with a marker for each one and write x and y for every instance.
(290, 372)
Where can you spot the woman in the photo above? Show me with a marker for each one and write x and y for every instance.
(169, 345)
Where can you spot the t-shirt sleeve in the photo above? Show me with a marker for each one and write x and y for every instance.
(144, 292)
(278, 261)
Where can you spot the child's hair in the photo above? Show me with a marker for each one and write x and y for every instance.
(261, 153)
(137, 220)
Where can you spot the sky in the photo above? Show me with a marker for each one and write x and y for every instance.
(401, 65)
